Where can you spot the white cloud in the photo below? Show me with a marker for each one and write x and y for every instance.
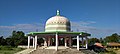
(86, 27)
(6, 30)
(82, 26)
(9, 27)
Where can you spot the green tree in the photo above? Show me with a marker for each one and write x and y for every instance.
(10, 41)
(93, 40)
(17, 38)
(113, 38)
(102, 41)
(2, 41)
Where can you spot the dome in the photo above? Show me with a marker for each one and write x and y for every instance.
(57, 23)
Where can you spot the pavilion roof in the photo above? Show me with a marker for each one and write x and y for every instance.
(59, 33)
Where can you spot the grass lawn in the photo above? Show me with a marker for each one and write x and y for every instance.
(9, 50)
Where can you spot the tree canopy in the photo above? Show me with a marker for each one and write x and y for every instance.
(113, 38)
(17, 38)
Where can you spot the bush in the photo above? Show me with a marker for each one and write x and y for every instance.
(6, 48)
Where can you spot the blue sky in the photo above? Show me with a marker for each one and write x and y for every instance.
(99, 17)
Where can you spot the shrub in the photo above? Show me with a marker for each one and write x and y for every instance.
(6, 48)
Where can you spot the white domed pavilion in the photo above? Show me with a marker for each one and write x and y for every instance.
(58, 33)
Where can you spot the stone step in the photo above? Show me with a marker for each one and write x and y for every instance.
(60, 51)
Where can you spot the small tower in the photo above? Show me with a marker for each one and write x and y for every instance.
(58, 13)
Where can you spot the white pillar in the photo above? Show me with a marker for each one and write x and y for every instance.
(56, 42)
(86, 43)
(28, 41)
(35, 42)
(77, 42)
(45, 42)
(65, 42)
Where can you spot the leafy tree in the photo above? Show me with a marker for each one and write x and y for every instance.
(10, 41)
(102, 41)
(17, 38)
(113, 38)
(2, 41)
(93, 40)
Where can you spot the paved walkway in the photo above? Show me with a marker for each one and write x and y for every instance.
(26, 51)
